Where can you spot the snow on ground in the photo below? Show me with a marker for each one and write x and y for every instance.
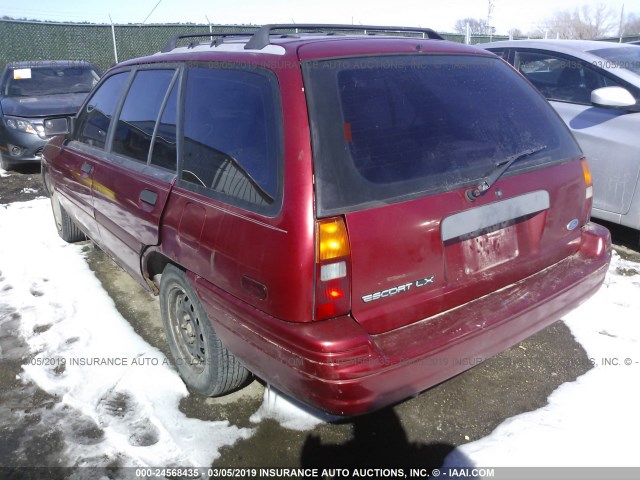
(66, 314)
(594, 420)
(3, 173)
(129, 408)
(28, 190)
(289, 413)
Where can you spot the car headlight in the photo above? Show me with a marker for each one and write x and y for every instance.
(23, 125)
(20, 124)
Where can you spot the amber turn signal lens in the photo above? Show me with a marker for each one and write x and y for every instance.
(586, 172)
(332, 239)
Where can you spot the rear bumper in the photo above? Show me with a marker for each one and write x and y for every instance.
(336, 366)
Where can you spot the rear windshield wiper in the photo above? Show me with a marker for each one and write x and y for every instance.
(498, 170)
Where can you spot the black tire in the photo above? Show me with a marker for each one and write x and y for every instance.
(46, 180)
(204, 363)
(67, 229)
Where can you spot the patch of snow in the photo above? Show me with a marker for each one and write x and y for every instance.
(593, 421)
(74, 330)
(3, 173)
(28, 190)
(288, 412)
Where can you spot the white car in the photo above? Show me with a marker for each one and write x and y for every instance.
(595, 87)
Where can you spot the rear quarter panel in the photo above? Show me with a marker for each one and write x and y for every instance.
(610, 141)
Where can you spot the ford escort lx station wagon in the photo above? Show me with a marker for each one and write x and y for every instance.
(346, 216)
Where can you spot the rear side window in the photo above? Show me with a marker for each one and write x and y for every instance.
(139, 114)
(164, 152)
(232, 136)
(391, 128)
(627, 57)
(94, 119)
(503, 54)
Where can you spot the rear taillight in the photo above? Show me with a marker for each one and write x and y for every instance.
(333, 269)
(588, 185)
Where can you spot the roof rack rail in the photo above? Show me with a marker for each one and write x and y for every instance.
(260, 38)
(172, 43)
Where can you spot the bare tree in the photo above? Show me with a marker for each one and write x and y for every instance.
(477, 26)
(584, 23)
(631, 25)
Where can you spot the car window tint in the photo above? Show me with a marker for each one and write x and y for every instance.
(231, 142)
(93, 121)
(396, 127)
(164, 152)
(560, 78)
(140, 112)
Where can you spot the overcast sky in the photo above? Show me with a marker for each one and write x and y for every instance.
(440, 15)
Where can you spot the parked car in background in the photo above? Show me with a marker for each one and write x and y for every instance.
(353, 218)
(595, 87)
(31, 91)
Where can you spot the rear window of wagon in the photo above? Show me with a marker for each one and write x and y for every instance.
(390, 128)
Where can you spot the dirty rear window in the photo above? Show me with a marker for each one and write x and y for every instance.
(386, 129)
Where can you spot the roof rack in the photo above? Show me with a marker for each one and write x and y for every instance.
(260, 38)
(173, 42)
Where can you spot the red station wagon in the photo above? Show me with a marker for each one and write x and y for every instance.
(349, 217)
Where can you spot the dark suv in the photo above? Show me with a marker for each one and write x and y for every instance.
(351, 218)
(30, 91)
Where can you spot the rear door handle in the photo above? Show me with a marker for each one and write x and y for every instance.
(86, 168)
(149, 197)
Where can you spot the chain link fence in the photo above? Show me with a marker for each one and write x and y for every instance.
(102, 45)
(105, 45)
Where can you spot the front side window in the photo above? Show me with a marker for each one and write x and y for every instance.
(139, 114)
(232, 135)
(94, 119)
(561, 78)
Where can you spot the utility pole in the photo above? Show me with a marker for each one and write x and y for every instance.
(490, 17)
(113, 36)
(621, 28)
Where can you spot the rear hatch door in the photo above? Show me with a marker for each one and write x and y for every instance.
(398, 142)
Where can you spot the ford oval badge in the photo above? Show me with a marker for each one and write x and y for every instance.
(572, 224)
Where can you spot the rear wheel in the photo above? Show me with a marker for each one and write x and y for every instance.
(203, 362)
(67, 229)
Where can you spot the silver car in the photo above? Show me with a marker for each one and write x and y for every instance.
(595, 87)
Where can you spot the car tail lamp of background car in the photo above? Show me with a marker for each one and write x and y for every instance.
(588, 187)
(333, 269)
